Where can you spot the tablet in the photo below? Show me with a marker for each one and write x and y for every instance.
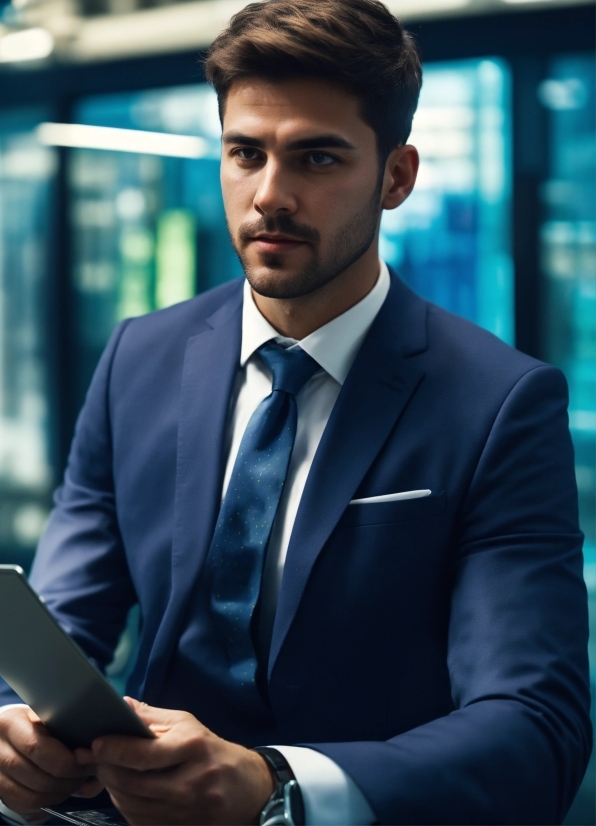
(51, 674)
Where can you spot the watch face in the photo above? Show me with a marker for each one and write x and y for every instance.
(294, 803)
(284, 807)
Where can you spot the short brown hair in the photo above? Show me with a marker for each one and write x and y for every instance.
(355, 43)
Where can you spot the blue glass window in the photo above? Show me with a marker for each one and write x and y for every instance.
(451, 239)
(568, 246)
(148, 230)
(27, 172)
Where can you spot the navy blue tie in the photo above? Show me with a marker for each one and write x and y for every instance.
(237, 554)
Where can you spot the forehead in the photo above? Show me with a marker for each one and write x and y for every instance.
(282, 110)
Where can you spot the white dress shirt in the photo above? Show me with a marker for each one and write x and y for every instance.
(330, 795)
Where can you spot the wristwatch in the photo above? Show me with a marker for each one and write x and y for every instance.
(285, 806)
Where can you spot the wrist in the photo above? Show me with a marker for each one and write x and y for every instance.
(267, 781)
(285, 806)
(258, 783)
(267, 786)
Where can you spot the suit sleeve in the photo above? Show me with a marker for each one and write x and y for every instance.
(516, 746)
(80, 567)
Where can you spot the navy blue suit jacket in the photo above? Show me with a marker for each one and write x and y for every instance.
(434, 648)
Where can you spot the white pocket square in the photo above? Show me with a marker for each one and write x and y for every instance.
(392, 497)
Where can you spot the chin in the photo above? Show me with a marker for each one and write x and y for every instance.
(273, 277)
(277, 283)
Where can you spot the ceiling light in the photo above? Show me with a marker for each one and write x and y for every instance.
(81, 136)
(414, 8)
(29, 44)
(174, 27)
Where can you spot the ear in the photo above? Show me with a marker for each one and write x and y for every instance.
(401, 170)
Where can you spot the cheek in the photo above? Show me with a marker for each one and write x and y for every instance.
(337, 199)
(330, 208)
(238, 194)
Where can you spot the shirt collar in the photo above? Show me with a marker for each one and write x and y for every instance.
(334, 345)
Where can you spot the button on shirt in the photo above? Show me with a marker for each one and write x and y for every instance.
(330, 795)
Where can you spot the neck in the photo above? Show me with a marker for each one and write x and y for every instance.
(299, 317)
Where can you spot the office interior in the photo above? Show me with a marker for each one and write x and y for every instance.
(110, 208)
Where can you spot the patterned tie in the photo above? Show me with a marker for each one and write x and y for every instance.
(237, 554)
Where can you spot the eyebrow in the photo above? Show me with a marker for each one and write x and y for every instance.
(330, 141)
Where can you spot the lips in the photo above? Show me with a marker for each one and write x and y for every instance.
(276, 243)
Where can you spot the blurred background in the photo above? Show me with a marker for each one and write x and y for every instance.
(110, 207)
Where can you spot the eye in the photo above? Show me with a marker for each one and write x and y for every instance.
(321, 159)
(247, 153)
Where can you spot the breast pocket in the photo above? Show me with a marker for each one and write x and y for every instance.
(384, 513)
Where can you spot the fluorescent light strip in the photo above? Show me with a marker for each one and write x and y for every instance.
(81, 136)
(175, 27)
(413, 8)
(29, 44)
(195, 24)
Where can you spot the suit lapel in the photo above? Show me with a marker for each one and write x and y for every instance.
(210, 366)
(379, 385)
(377, 389)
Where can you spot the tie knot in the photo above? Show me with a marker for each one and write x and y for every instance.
(291, 369)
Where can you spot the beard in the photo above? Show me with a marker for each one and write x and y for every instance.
(349, 244)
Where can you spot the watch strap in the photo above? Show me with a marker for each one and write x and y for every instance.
(285, 807)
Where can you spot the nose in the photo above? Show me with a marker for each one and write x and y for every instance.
(274, 192)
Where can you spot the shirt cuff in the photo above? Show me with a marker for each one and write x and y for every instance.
(330, 796)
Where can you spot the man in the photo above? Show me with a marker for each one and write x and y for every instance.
(349, 517)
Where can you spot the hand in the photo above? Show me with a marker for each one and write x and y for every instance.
(186, 775)
(36, 769)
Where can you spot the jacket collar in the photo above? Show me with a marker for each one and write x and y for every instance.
(334, 345)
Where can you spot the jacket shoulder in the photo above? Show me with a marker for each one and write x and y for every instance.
(465, 362)
(463, 346)
(194, 312)
(447, 342)
(173, 326)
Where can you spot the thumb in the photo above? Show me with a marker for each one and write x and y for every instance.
(33, 716)
(90, 788)
(154, 716)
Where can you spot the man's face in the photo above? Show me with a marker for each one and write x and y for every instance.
(301, 183)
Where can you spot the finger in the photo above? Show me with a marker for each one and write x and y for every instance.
(133, 811)
(153, 716)
(23, 800)
(138, 753)
(84, 757)
(124, 781)
(34, 741)
(168, 785)
(90, 788)
(14, 765)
